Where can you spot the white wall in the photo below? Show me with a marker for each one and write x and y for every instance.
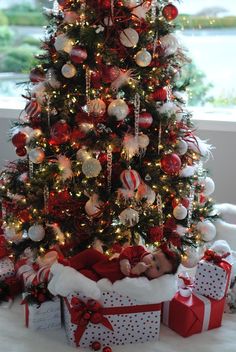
(220, 134)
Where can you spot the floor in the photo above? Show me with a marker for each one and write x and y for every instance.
(14, 337)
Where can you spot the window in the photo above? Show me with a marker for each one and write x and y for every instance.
(208, 31)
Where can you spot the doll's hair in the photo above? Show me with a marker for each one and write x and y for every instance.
(173, 255)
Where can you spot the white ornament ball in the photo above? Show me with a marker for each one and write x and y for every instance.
(97, 107)
(209, 186)
(181, 230)
(207, 230)
(182, 147)
(36, 233)
(82, 155)
(143, 58)
(91, 167)
(10, 233)
(187, 171)
(68, 70)
(191, 257)
(129, 217)
(143, 141)
(132, 3)
(169, 43)
(119, 109)
(36, 155)
(63, 43)
(93, 206)
(180, 212)
(129, 37)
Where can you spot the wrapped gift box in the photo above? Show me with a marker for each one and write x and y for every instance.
(118, 320)
(44, 316)
(212, 280)
(193, 314)
(6, 268)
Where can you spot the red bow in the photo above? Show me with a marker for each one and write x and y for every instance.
(92, 311)
(212, 256)
(187, 280)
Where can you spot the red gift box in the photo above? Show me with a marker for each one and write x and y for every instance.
(193, 314)
(114, 320)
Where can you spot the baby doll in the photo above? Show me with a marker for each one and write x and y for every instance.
(133, 261)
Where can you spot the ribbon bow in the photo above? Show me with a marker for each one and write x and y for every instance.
(91, 311)
(212, 256)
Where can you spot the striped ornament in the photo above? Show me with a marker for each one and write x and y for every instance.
(145, 120)
(130, 179)
(33, 109)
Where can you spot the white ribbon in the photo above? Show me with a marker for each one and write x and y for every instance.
(207, 311)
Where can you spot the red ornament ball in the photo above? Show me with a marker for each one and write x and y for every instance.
(60, 132)
(145, 120)
(171, 164)
(64, 3)
(78, 55)
(21, 151)
(170, 12)
(19, 139)
(110, 73)
(104, 4)
(96, 345)
(106, 349)
(37, 75)
(159, 94)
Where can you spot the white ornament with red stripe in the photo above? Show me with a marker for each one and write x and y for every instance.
(145, 120)
(33, 108)
(130, 179)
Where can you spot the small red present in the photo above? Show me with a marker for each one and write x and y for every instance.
(193, 314)
(212, 276)
(114, 320)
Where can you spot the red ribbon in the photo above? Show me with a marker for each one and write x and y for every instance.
(93, 312)
(211, 256)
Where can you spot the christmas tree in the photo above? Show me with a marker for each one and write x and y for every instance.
(107, 147)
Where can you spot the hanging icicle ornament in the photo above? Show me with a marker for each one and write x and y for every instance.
(159, 209)
(46, 198)
(82, 15)
(155, 42)
(159, 138)
(109, 167)
(153, 10)
(31, 169)
(88, 87)
(136, 114)
(112, 8)
(190, 207)
(49, 111)
(169, 93)
(55, 8)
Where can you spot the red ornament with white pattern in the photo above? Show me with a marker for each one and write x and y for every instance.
(171, 164)
(170, 12)
(78, 55)
(130, 179)
(159, 94)
(145, 120)
(33, 108)
(60, 132)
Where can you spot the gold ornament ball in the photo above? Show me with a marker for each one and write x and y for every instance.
(119, 109)
(63, 43)
(68, 70)
(91, 167)
(143, 58)
(82, 155)
(97, 107)
(36, 155)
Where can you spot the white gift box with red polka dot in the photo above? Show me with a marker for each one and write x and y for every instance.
(6, 268)
(126, 321)
(212, 280)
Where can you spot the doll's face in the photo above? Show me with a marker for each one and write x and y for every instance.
(159, 264)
